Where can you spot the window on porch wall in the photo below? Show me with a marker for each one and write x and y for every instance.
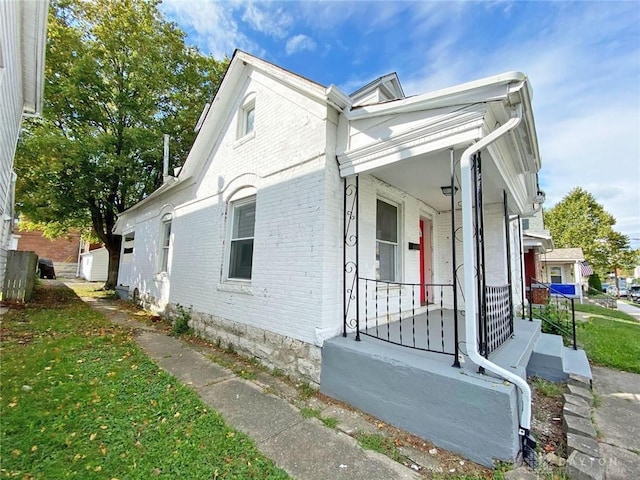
(386, 241)
(556, 274)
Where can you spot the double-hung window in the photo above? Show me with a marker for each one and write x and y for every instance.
(243, 220)
(166, 242)
(249, 116)
(246, 117)
(556, 274)
(386, 241)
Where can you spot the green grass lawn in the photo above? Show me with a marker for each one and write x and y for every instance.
(610, 338)
(598, 310)
(79, 400)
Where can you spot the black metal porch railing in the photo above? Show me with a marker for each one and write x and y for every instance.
(396, 313)
(499, 319)
(555, 309)
(601, 298)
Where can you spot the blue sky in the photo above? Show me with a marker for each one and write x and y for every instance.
(583, 60)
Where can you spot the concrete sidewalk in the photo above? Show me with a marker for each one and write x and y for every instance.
(617, 418)
(618, 421)
(304, 448)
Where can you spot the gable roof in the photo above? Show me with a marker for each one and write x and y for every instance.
(213, 118)
(509, 88)
(388, 84)
(564, 254)
(240, 64)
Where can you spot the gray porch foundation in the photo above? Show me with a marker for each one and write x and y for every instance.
(468, 413)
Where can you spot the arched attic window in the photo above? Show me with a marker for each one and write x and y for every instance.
(246, 116)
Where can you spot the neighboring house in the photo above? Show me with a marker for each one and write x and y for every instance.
(22, 48)
(340, 239)
(566, 270)
(94, 265)
(536, 242)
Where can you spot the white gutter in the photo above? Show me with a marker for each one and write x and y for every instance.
(469, 278)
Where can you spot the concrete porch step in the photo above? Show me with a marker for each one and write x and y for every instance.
(553, 361)
(514, 354)
(575, 362)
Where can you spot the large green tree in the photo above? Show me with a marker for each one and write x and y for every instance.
(578, 220)
(118, 77)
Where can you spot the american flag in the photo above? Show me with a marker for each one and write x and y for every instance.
(586, 269)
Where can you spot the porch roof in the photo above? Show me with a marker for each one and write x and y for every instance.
(539, 240)
(566, 255)
(393, 139)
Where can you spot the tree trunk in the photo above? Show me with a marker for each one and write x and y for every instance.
(113, 247)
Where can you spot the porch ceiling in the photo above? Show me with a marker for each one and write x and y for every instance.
(423, 175)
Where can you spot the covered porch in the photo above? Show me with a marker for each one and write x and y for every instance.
(434, 187)
(459, 409)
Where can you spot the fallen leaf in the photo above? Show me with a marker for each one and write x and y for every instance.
(93, 436)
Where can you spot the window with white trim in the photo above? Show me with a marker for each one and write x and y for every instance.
(243, 221)
(246, 118)
(556, 274)
(166, 243)
(386, 241)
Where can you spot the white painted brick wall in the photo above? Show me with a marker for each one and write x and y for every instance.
(290, 160)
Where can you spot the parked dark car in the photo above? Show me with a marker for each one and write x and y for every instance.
(45, 268)
(634, 293)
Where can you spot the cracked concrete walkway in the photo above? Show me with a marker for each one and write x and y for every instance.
(618, 421)
(304, 448)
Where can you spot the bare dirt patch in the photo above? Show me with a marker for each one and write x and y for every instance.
(547, 423)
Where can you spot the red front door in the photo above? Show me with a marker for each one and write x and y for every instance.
(529, 267)
(423, 297)
(426, 277)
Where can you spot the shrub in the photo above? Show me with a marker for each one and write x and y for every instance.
(181, 321)
(595, 283)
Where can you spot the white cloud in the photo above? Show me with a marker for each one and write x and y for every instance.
(274, 23)
(299, 43)
(211, 25)
(584, 67)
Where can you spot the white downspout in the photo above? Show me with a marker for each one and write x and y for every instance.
(469, 259)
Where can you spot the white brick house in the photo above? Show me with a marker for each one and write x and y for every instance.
(303, 214)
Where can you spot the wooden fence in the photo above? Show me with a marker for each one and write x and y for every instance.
(20, 276)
